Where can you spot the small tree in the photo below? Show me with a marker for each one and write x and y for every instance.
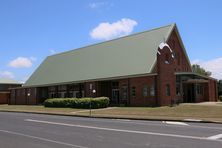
(199, 70)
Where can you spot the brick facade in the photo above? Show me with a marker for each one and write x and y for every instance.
(162, 87)
(23, 96)
(5, 92)
(166, 68)
(4, 96)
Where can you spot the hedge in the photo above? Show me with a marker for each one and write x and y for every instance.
(100, 102)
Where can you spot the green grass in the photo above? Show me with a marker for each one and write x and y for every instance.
(37, 109)
(208, 113)
(183, 111)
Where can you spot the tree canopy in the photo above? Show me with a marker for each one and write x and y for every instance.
(199, 70)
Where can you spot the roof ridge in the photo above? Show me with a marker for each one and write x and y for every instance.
(134, 34)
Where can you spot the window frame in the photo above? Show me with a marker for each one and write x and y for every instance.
(145, 91)
(152, 92)
(168, 90)
(133, 91)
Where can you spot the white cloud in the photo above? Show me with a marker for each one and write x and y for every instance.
(214, 66)
(52, 51)
(22, 62)
(33, 59)
(96, 5)
(6, 74)
(106, 30)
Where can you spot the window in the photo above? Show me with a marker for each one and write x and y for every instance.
(174, 55)
(167, 59)
(152, 90)
(124, 92)
(83, 93)
(59, 95)
(199, 89)
(61, 87)
(145, 91)
(167, 90)
(52, 88)
(66, 95)
(71, 94)
(133, 91)
(115, 84)
(178, 89)
(52, 95)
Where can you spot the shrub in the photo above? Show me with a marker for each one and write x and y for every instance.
(220, 98)
(100, 102)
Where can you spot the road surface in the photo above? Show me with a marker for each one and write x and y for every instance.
(21, 130)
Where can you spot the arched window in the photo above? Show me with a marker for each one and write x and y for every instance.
(167, 59)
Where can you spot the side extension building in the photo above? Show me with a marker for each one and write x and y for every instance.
(136, 70)
(5, 85)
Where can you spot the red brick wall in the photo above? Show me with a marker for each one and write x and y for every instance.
(213, 95)
(32, 99)
(12, 97)
(4, 96)
(200, 98)
(88, 92)
(181, 62)
(166, 71)
(20, 96)
(140, 99)
(137, 82)
(209, 92)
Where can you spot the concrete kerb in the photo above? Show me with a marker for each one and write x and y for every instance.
(124, 118)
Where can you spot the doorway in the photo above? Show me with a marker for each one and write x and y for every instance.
(115, 96)
(189, 93)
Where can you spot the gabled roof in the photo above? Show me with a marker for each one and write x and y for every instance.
(126, 56)
(8, 81)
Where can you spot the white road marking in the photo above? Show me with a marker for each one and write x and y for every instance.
(215, 137)
(42, 139)
(175, 123)
(193, 120)
(124, 120)
(122, 130)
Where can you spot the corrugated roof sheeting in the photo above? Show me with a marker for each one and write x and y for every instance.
(130, 55)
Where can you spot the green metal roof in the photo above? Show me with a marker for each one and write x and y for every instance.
(130, 55)
(8, 81)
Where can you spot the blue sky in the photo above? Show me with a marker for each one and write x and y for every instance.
(30, 30)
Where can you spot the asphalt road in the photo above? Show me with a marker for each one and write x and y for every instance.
(20, 130)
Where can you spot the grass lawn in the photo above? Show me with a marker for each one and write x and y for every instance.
(183, 111)
(211, 113)
(37, 109)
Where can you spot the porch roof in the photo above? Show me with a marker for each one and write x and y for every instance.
(195, 74)
(195, 81)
